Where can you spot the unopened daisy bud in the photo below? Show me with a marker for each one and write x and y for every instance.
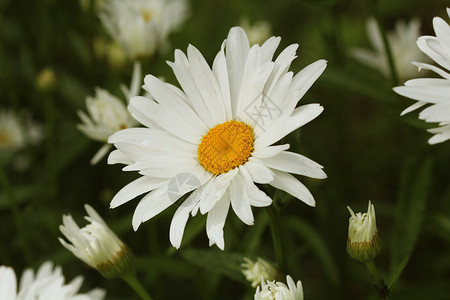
(278, 290)
(363, 243)
(256, 271)
(97, 245)
(46, 80)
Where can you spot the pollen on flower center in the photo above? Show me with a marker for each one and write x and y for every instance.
(225, 146)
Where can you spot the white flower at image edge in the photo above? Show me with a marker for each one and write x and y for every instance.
(433, 91)
(46, 284)
(209, 130)
(108, 114)
(142, 27)
(400, 40)
(272, 290)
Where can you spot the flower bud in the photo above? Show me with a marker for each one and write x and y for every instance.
(363, 243)
(256, 271)
(97, 245)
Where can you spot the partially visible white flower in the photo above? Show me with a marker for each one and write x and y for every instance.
(363, 243)
(434, 91)
(142, 26)
(257, 33)
(96, 244)
(108, 114)
(272, 290)
(46, 284)
(256, 271)
(12, 136)
(401, 42)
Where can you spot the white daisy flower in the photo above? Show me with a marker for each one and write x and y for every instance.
(434, 91)
(363, 243)
(257, 271)
(108, 114)
(12, 136)
(257, 33)
(142, 26)
(96, 244)
(215, 136)
(272, 290)
(400, 40)
(46, 284)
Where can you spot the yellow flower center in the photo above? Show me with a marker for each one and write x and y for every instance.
(147, 15)
(225, 146)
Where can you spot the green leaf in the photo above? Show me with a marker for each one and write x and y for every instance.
(317, 243)
(398, 271)
(410, 208)
(228, 264)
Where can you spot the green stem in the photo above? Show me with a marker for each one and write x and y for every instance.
(135, 284)
(387, 47)
(16, 215)
(275, 230)
(51, 145)
(382, 289)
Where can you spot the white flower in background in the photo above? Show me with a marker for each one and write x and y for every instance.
(256, 271)
(108, 114)
(214, 137)
(434, 91)
(401, 42)
(272, 290)
(363, 243)
(46, 284)
(142, 26)
(12, 136)
(257, 33)
(96, 244)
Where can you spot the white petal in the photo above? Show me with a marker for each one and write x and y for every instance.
(295, 163)
(435, 69)
(135, 188)
(216, 188)
(269, 47)
(281, 66)
(152, 204)
(118, 157)
(100, 153)
(302, 81)
(259, 172)
(257, 197)
(237, 48)
(166, 96)
(207, 85)
(431, 46)
(269, 151)
(182, 71)
(240, 201)
(413, 107)
(282, 127)
(432, 94)
(164, 117)
(180, 218)
(288, 183)
(216, 221)
(220, 71)
(8, 284)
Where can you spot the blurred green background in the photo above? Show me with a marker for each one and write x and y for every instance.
(369, 153)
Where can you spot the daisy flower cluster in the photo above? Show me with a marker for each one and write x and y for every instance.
(216, 145)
